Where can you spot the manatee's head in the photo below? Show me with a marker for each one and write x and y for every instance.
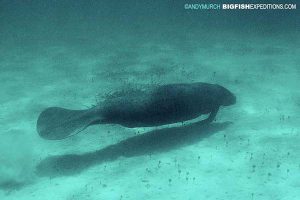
(225, 97)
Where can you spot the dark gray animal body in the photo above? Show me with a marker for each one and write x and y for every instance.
(153, 106)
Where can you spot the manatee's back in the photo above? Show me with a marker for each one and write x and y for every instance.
(183, 101)
(124, 107)
(156, 105)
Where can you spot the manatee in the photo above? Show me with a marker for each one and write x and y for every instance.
(147, 107)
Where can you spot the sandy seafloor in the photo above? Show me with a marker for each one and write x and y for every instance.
(54, 54)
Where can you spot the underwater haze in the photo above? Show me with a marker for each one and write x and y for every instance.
(74, 53)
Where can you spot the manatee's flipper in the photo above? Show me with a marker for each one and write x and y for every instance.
(56, 123)
(211, 116)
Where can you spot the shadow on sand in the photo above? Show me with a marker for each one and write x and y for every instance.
(152, 142)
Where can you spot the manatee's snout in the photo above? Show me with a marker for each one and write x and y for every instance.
(229, 99)
(226, 97)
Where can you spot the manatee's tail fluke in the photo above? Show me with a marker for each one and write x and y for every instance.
(56, 123)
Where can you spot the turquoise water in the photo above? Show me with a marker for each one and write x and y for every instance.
(71, 54)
